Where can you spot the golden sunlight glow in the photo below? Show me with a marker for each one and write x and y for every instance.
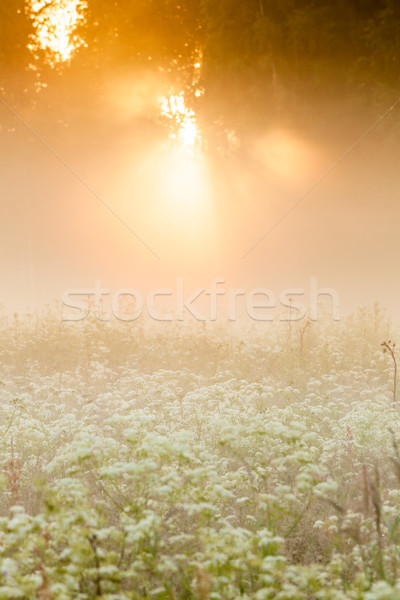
(182, 171)
(183, 181)
(55, 24)
(183, 123)
(287, 158)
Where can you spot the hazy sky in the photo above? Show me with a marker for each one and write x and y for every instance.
(198, 212)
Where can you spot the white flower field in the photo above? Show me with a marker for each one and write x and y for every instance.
(201, 462)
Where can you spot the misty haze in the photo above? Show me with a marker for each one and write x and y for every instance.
(200, 302)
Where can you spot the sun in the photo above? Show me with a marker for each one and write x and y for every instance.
(182, 119)
(182, 168)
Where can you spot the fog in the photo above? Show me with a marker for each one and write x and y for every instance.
(103, 195)
(143, 146)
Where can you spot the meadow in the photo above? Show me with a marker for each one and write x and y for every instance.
(204, 462)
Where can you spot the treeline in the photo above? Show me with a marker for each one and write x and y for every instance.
(261, 59)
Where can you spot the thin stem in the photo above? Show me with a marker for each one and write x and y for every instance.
(389, 347)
